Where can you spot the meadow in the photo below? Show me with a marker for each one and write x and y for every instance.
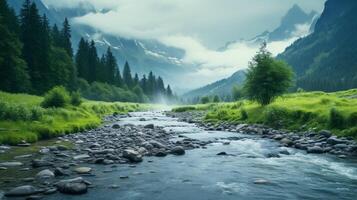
(23, 118)
(297, 111)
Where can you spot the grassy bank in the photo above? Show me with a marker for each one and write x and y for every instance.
(298, 111)
(22, 117)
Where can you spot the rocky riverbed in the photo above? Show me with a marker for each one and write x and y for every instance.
(145, 156)
(310, 141)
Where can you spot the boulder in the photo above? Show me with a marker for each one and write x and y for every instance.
(222, 154)
(41, 163)
(325, 133)
(334, 140)
(287, 142)
(149, 126)
(74, 186)
(315, 149)
(45, 174)
(11, 164)
(160, 154)
(178, 150)
(116, 126)
(132, 155)
(25, 190)
(83, 170)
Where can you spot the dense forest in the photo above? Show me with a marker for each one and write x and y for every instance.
(36, 57)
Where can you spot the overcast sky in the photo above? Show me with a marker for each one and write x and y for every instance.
(197, 26)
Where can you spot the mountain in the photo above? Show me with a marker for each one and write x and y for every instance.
(295, 23)
(143, 55)
(326, 60)
(221, 88)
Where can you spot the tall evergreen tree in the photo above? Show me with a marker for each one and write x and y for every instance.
(56, 36)
(159, 86)
(128, 79)
(136, 80)
(169, 92)
(82, 59)
(118, 79)
(93, 62)
(111, 66)
(13, 73)
(151, 85)
(144, 84)
(33, 52)
(10, 20)
(66, 37)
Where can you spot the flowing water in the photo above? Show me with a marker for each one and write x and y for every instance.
(201, 174)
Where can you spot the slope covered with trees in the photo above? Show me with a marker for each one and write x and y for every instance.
(326, 59)
(36, 57)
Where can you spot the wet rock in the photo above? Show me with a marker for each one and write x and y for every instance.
(286, 142)
(114, 186)
(315, 149)
(149, 126)
(142, 119)
(34, 197)
(116, 126)
(81, 157)
(50, 191)
(325, 133)
(178, 150)
(272, 155)
(160, 154)
(25, 190)
(334, 140)
(45, 174)
(3, 168)
(62, 148)
(83, 170)
(284, 152)
(132, 155)
(261, 181)
(222, 154)
(72, 186)
(40, 163)
(11, 164)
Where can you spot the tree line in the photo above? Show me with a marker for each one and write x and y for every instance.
(36, 57)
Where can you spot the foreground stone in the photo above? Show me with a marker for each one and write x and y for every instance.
(10, 164)
(178, 150)
(25, 190)
(45, 174)
(132, 155)
(83, 170)
(75, 186)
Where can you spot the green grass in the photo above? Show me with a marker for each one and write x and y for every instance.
(297, 111)
(22, 118)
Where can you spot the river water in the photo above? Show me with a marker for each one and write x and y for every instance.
(202, 175)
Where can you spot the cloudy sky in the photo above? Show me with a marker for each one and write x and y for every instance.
(197, 26)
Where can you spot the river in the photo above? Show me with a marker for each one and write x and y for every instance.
(203, 175)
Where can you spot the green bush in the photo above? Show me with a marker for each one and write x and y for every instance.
(57, 97)
(337, 120)
(275, 116)
(205, 100)
(243, 114)
(184, 109)
(76, 98)
(352, 119)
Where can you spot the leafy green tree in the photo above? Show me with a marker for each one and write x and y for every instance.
(267, 78)
(128, 79)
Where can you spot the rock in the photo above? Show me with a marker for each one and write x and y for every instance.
(81, 157)
(315, 149)
(161, 154)
(114, 186)
(278, 137)
(116, 126)
(45, 174)
(50, 191)
(284, 152)
(59, 172)
(74, 186)
(287, 142)
(62, 148)
(83, 170)
(149, 126)
(34, 197)
(3, 168)
(272, 155)
(25, 190)
(325, 133)
(334, 140)
(142, 119)
(261, 181)
(157, 144)
(11, 164)
(132, 155)
(178, 150)
(340, 146)
(124, 177)
(222, 154)
(40, 163)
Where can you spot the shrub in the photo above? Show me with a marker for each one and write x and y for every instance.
(216, 99)
(56, 97)
(76, 98)
(336, 120)
(184, 109)
(352, 119)
(243, 114)
(275, 116)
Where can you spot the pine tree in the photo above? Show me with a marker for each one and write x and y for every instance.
(13, 72)
(82, 59)
(56, 36)
(151, 85)
(169, 92)
(160, 86)
(66, 37)
(136, 80)
(128, 80)
(111, 66)
(143, 84)
(32, 52)
(93, 62)
(118, 79)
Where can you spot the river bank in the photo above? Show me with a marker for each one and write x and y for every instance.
(310, 141)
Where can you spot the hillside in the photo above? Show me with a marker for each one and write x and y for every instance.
(222, 87)
(326, 59)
